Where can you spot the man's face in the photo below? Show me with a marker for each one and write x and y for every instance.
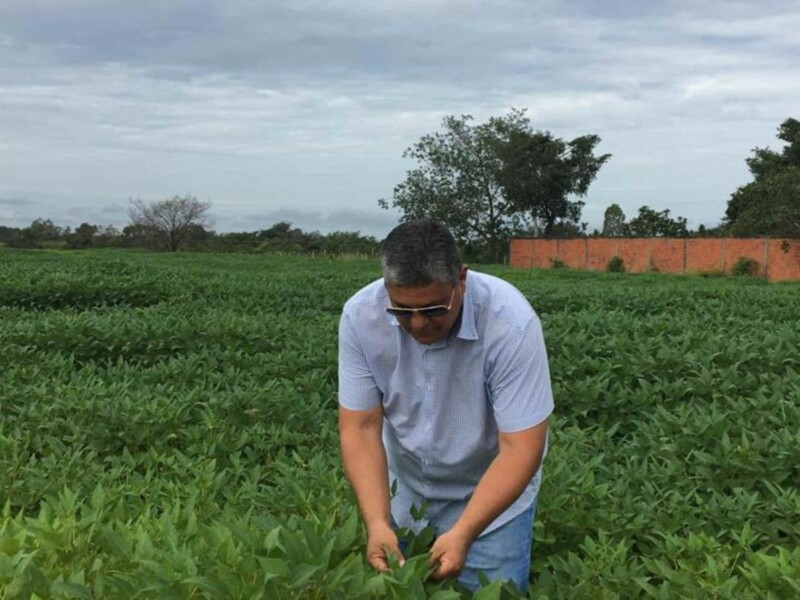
(428, 330)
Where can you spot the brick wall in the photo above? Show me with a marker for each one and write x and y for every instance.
(778, 259)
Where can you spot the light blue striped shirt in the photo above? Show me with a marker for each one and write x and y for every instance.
(444, 403)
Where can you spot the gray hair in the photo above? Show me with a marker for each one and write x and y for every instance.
(420, 252)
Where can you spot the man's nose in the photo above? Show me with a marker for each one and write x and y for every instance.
(417, 321)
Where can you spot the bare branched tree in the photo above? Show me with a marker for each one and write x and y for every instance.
(172, 219)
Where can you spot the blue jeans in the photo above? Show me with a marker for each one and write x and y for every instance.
(503, 554)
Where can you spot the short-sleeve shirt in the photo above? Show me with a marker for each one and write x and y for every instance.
(444, 403)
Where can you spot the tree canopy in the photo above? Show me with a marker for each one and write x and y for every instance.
(770, 204)
(654, 223)
(539, 172)
(489, 180)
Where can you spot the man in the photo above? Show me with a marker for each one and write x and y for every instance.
(444, 388)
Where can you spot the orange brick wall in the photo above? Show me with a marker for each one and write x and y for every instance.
(783, 260)
(736, 249)
(667, 255)
(601, 250)
(635, 254)
(778, 259)
(573, 253)
(704, 255)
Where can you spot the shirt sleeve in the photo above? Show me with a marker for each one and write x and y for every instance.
(357, 387)
(519, 381)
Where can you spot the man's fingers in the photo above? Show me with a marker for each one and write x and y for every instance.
(395, 550)
(378, 563)
(380, 559)
(442, 571)
(435, 553)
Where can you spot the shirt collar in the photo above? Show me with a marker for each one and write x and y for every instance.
(468, 329)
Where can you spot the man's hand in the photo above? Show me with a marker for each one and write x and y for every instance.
(381, 542)
(449, 555)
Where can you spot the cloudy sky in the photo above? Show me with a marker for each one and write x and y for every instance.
(300, 110)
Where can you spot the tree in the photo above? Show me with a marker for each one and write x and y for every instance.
(489, 180)
(171, 220)
(457, 182)
(651, 223)
(8, 233)
(38, 232)
(614, 221)
(540, 172)
(82, 237)
(770, 204)
(44, 230)
(141, 236)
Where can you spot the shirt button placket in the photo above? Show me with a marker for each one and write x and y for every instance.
(428, 412)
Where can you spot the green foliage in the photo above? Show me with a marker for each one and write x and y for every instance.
(745, 266)
(539, 172)
(712, 273)
(652, 223)
(37, 234)
(615, 265)
(770, 204)
(8, 233)
(184, 445)
(458, 182)
(614, 222)
(557, 263)
(491, 180)
(281, 239)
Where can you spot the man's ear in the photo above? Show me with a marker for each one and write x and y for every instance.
(462, 279)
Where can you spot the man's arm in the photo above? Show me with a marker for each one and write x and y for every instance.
(364, 459)
(512, 469)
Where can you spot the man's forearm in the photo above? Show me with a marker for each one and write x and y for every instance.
(502, 483)
(364, 459)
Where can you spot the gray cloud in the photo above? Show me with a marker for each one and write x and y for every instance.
(16, 201)
(375, 222)
(311, 103)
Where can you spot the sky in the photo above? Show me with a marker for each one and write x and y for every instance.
(300, 110)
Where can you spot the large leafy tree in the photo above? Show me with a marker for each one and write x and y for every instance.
(541, 173)
(770, 204)
(457, 182)
(488, 180)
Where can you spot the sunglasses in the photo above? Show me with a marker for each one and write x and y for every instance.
(425, 311)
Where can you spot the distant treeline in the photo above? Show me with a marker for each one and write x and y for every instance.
(285, 239)
(280, 238)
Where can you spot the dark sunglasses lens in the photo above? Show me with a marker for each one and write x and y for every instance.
(437, 311)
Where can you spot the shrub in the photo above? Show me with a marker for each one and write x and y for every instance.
(747, 267)
(615, 265)
(712, 273)
(557, 263)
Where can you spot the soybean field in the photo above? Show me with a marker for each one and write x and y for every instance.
(168, 430)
